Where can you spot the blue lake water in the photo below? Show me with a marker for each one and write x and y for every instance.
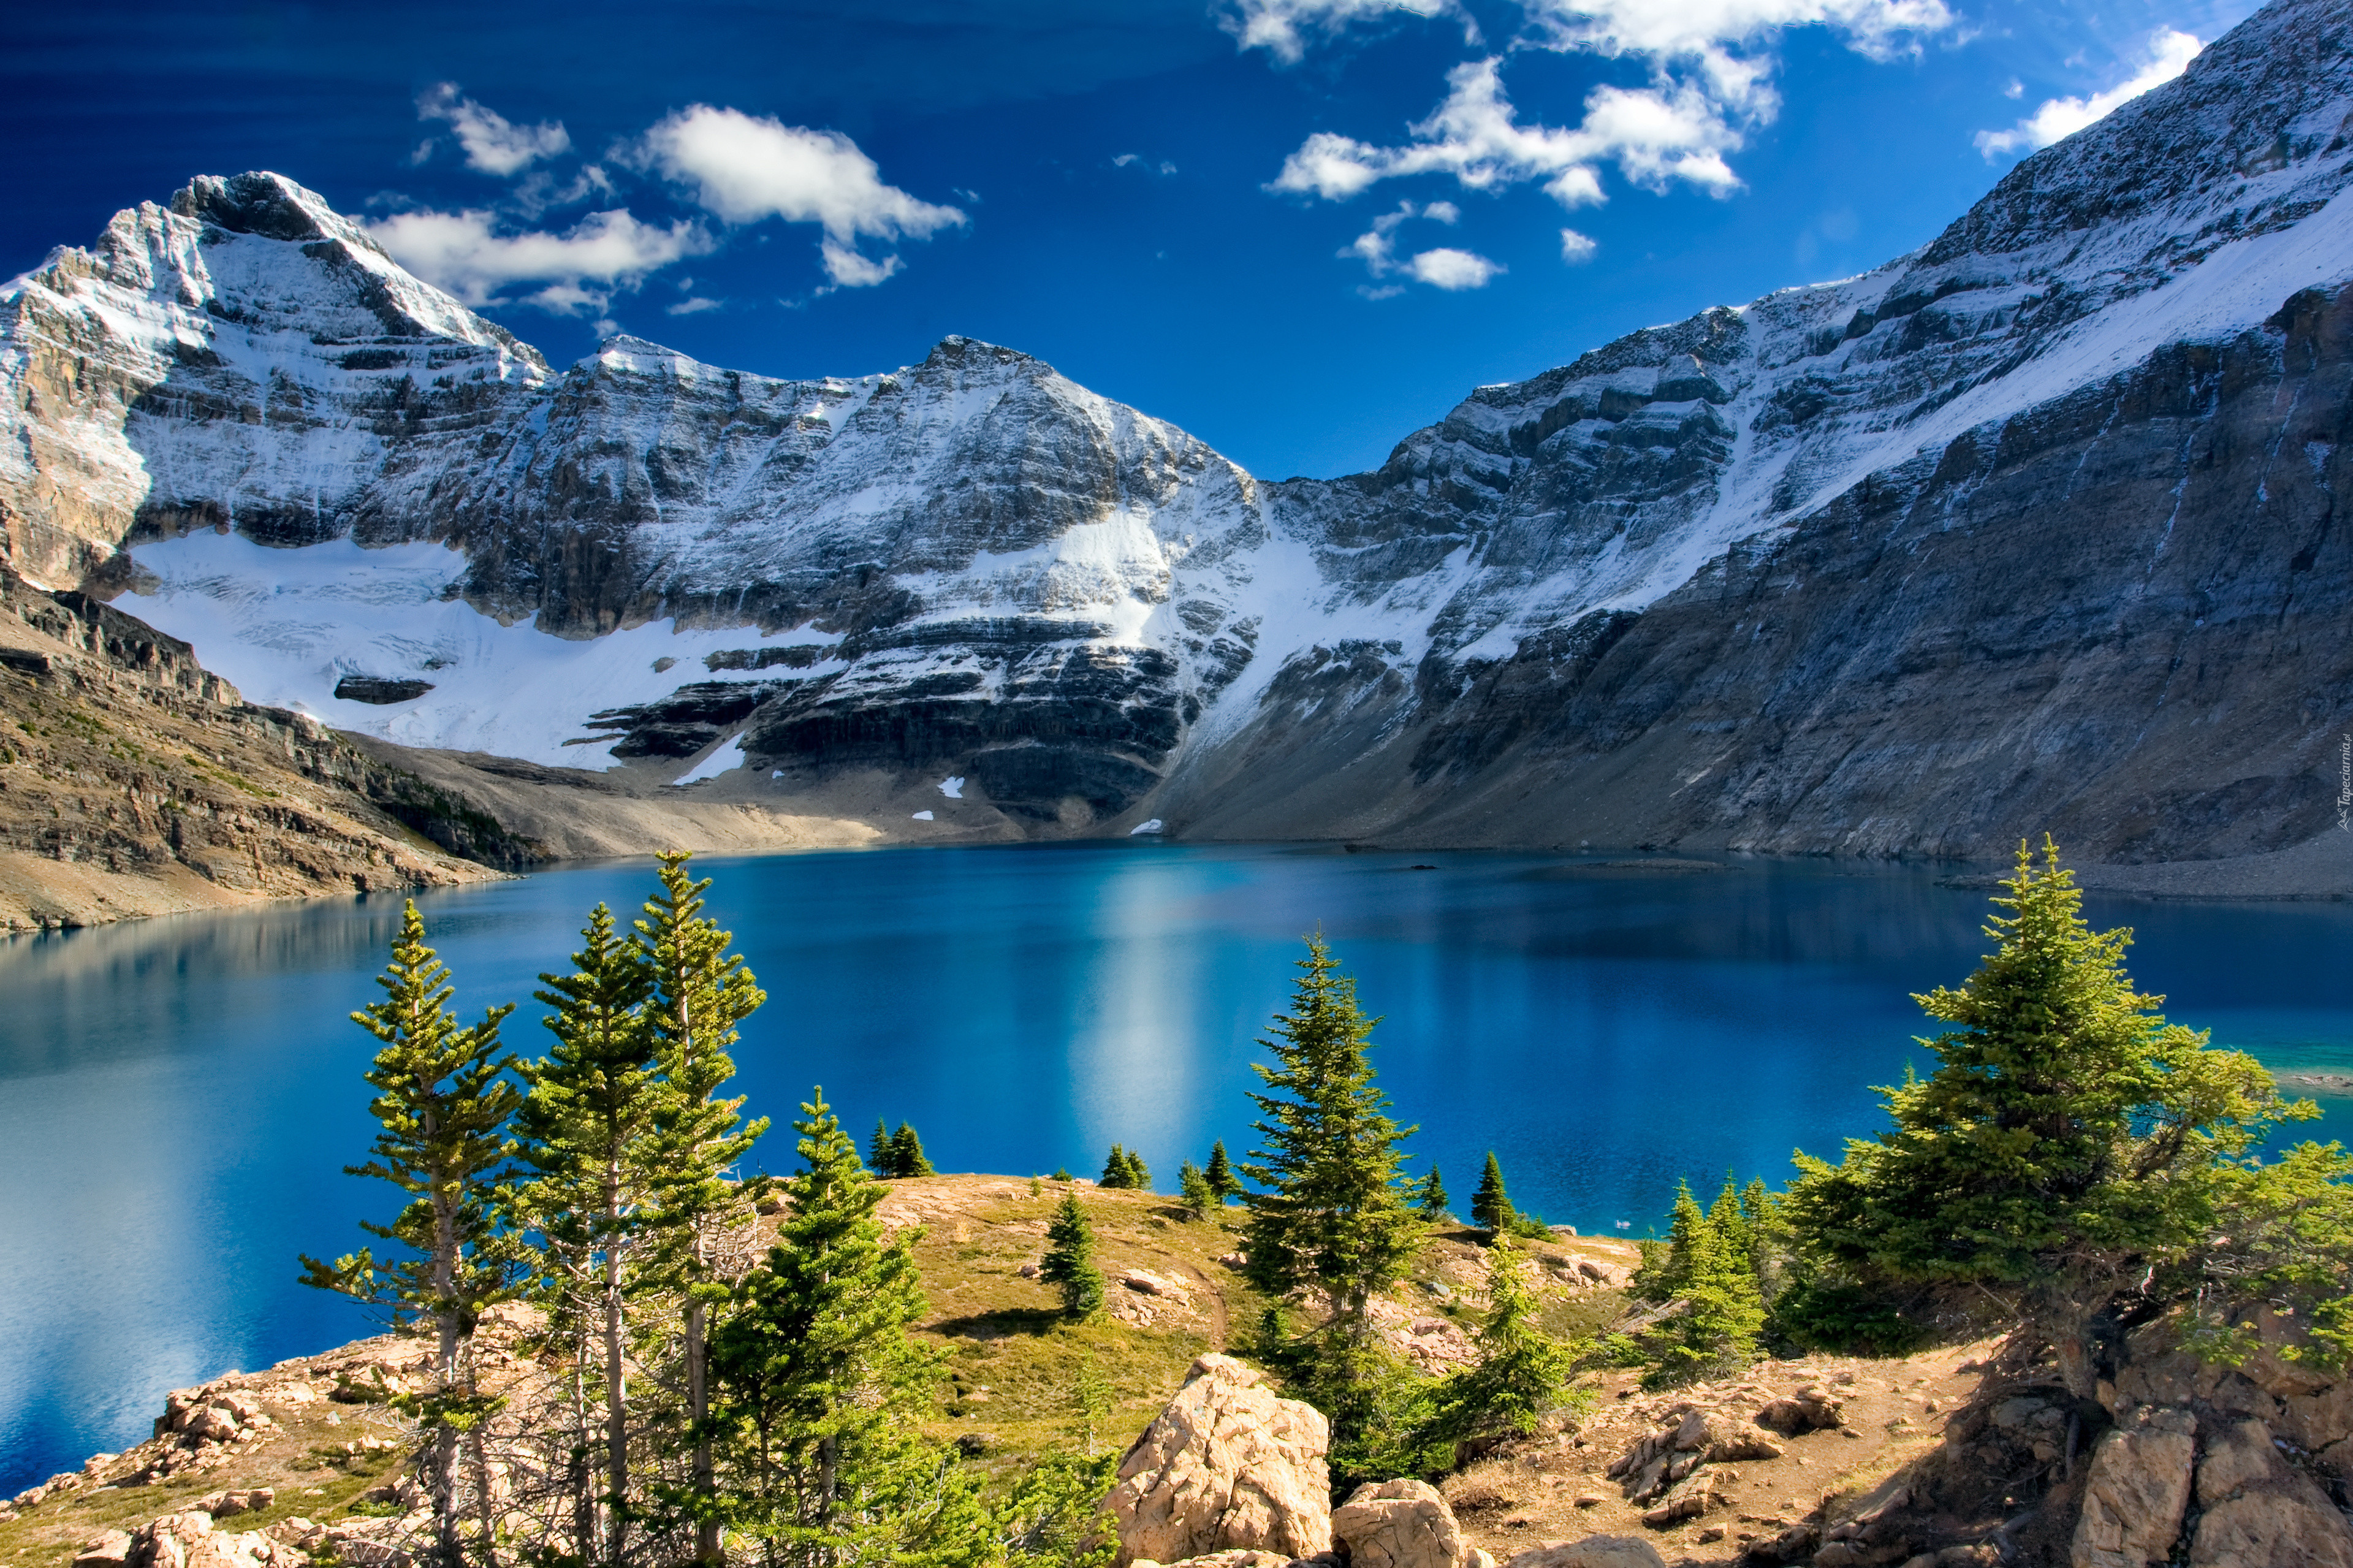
(177, 1097)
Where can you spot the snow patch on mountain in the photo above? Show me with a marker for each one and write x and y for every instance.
(285, 627)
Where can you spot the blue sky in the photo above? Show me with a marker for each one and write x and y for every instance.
(1299, 229)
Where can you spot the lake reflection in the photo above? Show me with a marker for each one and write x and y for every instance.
(177, 1097)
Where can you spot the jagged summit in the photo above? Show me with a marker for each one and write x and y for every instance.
(2015, 532)
(268, 205)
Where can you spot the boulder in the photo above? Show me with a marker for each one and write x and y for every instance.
(2135, 1492)
(2260, 1513)
(1399, 1524)
(111, 1549)
(1593, 1552)
(1144, 1282)
(1687, 1500)
(187, 1540)
(1227, 1465)
(220, 1505)
(1718, 1439)
(1811, 1408)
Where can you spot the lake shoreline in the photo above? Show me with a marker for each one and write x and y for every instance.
(2319, 870)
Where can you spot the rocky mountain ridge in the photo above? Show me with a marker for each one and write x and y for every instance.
(2032, 528)
(135, 782)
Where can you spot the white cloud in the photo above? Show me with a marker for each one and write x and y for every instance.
(463, 253)
(1577, 248)
(1138, 161)
(1707, 32)
(1450, 270)
(1711, 63)
(693, 305)
(746, 168)
(2168, 54)
(493, 144)
(1284, 27)
(1443, 268)
(1655, 134)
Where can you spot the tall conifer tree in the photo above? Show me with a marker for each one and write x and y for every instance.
(1666, 1272)
(820, 1390)
(701, 992)
(1331, 1215)
(443, 1104)
(589, 1127)
(880, 1159)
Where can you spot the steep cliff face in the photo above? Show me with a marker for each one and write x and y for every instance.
(2034, 527)
(2031, 529)
(133, 781)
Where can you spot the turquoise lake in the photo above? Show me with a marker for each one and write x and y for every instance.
(178, 1097)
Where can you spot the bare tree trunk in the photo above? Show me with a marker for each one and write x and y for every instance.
(617, 1401)
(441, 1463)
(698, 1400)
(576, 1465)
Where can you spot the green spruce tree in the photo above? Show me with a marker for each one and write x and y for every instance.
(907, 1153)
(1115, 1175)
(1521, 1370)
(1333, 1215)
(701, 994)
(1666, 1271)
(2069, 1143)
(882, 1157)
(588, 1128)
(1330, 1216)
(1194, 1191)
(820, 1392)
(1221, 1173)
(1139, 1175)
(1724, 1312)
(1069, 1265)
(443, 1103)
(1430, 1197)
(1491, 1206)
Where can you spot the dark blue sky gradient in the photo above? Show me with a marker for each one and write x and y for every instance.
(1196, 296)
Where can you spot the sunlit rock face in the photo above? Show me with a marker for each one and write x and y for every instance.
(2033, 528)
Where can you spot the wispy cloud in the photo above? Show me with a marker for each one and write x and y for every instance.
(1475, 136)
(1444, 268)
(1284, 28)
(2168, 54)
(1576, 248)
(743, 168)
(1138, 161)
(1711, 63)
(492, 143)
(577, 272)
